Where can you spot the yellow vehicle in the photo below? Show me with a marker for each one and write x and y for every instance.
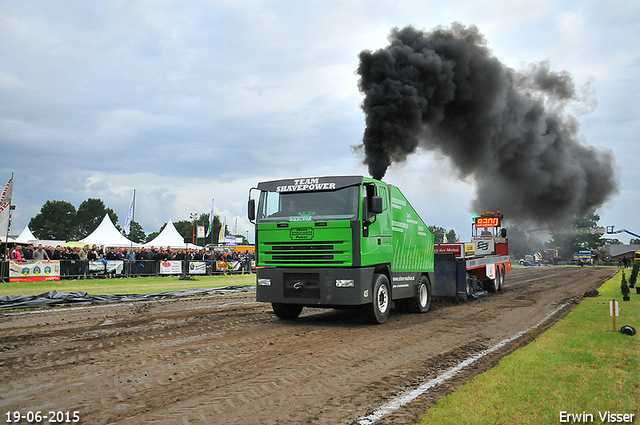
(636, 257)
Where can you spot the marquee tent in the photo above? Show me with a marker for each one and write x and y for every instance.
(106, 234)
(26, 236)
(170, 237)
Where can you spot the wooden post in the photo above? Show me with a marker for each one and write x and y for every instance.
(613, 311)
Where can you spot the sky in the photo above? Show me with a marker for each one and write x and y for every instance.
(189, 102)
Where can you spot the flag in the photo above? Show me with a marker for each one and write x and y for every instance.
(7, 192)
(5, 204)
(444, 238)
(222, 234)
(211, 216)
(127, 223)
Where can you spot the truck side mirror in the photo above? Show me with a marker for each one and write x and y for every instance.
(503, 232)
(376, 205)
(251, 209)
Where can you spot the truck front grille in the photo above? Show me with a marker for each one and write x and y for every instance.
(304, 253)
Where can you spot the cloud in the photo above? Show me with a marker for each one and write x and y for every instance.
(185, 101)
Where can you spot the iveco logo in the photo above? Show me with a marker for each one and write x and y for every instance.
(298, 233)
(298, 285)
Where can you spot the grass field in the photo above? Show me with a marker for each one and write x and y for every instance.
(125, 285)
(580, 366)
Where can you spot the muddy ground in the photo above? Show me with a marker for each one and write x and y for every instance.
(225, 359)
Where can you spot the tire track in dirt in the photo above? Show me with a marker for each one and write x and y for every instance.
(227, 359)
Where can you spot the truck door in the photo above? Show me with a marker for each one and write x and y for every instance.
(376, 231)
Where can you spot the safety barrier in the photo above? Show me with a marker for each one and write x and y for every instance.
(74, 269)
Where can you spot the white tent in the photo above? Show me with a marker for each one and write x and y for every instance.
(106, 234)
(26, 236)
(170, 237)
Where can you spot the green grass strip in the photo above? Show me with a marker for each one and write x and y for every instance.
(125, 285)
(579, 366)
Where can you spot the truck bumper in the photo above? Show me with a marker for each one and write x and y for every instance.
(320, 287)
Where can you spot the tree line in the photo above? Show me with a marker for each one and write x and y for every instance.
(576, 237)
(60, 220)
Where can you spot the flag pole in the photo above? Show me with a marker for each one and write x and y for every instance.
(6, 241)
(133, 217)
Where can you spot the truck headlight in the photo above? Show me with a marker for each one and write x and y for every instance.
(345, 283)
(264, 282)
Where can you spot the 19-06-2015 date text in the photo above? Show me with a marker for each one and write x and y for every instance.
(50, 417)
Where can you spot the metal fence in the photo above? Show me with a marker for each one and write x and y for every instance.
(73, 269)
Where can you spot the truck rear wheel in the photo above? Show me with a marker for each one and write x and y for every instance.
(493, 284)
(502, 273)
(287, 311)
(422, 301)
(378, 311)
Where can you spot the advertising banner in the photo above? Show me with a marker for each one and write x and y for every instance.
(228, 265)
(171, 267)
(34, 271)
(197, 267)
(484, 246)
(108, 266)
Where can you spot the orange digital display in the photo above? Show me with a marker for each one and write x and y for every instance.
(487, 221)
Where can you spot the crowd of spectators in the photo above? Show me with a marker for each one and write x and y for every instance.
(74, 261)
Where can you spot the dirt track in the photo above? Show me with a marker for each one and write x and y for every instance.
(226, 359)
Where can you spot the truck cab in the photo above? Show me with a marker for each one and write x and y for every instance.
(339, 241)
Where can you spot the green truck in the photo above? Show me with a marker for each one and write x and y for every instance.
(340, 242)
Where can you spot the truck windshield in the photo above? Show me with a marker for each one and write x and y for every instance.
(341, 204)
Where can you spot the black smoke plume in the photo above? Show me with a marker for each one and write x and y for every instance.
(444, 91)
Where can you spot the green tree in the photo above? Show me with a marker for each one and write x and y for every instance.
(90, 214)
(56, 221)
(522, 243)
(579, 236)
(203, 220)
(151, 236)
(624, 287)
(611, 242)
(136, 233)
(439, 232)
(184, 227)
(634, 241)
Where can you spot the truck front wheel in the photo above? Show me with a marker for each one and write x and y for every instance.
(287, 311)
(378, 311)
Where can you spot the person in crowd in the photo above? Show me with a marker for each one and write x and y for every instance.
(28, 253)
(111, 254)
(83, 259)
(74, 261)
(57, 253)
(130, 265)
(16, 253)
(40, 254)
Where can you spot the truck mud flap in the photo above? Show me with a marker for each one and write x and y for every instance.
(450, 276)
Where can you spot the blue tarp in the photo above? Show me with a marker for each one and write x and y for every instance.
(55, 298)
